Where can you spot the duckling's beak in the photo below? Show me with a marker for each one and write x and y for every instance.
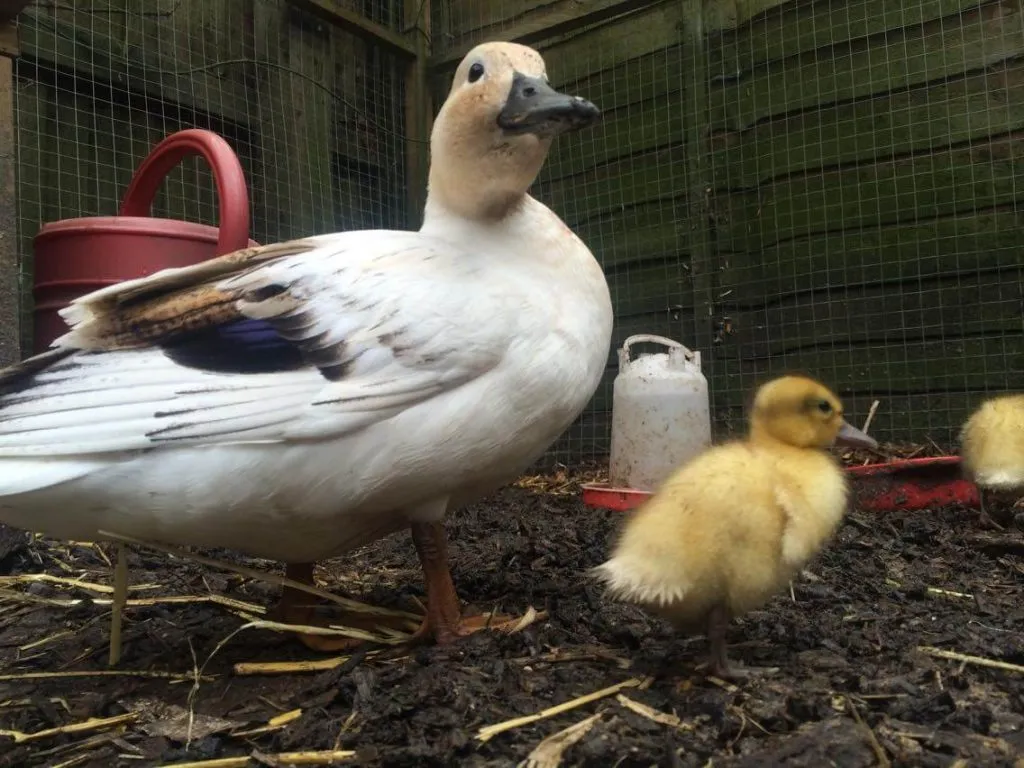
(533, 106)
(851, 436)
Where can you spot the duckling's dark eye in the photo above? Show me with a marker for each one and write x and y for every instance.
(476, 72)
(825, 406)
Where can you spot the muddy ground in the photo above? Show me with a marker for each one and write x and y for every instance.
(852, 688)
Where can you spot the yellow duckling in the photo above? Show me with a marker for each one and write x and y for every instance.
(992, 446)
(730, 528)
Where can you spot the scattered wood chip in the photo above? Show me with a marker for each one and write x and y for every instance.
(548, 754)
(177, 723)
(664, 718)
(978, 661)
(490, 731)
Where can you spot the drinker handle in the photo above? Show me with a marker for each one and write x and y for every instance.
(653, 339)
(232, 194)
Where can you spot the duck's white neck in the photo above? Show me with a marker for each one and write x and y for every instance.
(526, 220)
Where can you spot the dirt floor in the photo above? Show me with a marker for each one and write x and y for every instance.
(852, 687)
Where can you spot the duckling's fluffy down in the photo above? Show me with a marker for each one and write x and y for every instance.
(731, 527)
(992, 443)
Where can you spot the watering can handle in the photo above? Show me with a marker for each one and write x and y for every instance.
(232, 194)
(653, 339)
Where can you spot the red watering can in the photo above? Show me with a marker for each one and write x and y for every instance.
(76, 256)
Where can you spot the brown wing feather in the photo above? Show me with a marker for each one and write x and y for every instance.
(148, 310)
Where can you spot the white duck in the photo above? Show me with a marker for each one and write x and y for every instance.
(297, 400)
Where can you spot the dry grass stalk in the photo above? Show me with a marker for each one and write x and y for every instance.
(284, 758)
(288, 667)
(978, 661)
(664, 718)
(92, 724)
(876, 746)
(490, 731)
(172, 676)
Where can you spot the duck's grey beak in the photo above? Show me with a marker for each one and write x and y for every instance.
(850, 435)
(533, 106)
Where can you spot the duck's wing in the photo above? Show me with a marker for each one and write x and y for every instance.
(311, 340)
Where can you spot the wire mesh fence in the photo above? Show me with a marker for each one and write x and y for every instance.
(832, 188)
(866, 161)
(814, 186)
(315, 115)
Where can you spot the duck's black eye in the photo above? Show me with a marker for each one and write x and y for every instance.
(825, 406)
(476, 72)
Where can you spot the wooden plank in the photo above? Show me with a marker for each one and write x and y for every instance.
(964, 179)
(652, 289)
(11, 8)
(648, 231)
(9, 45)
(983, 104)
(641, 127)
(879, 64)
(965, 243)
(728, 14)
(359, 25)
(561, 17)
(418, 111)
(950, 363)
(95, 56)
(972, 242)
(468, 16)
(10, 299)
(789, 29)
(296, 168)
(607, 46)
(621, 184)
(699, 172)
(963, 304)
(631, 82)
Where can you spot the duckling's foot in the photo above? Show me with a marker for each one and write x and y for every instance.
(444, 622)
(738, 673)
(295, 608)
(718, 661)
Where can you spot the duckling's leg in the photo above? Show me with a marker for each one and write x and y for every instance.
(718, 661)
(444, 621)
(718, 625)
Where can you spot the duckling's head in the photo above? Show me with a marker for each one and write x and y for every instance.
(494, 130)
(801, 412)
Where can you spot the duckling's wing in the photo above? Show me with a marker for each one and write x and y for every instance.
(312, 345)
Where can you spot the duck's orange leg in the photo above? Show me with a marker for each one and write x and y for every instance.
(444, 621)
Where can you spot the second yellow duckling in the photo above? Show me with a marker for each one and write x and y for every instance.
(992, 446)
(730, 528)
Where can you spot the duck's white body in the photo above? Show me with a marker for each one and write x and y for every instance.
(467, 348)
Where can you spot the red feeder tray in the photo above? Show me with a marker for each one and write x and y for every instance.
(907, 484)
